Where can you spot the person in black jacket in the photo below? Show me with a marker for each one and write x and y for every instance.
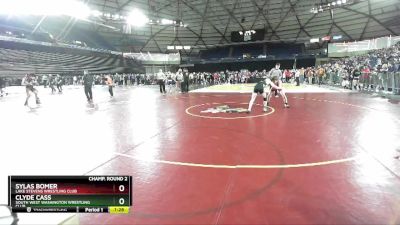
(52, 82)
(88, 83)
(356, 79)
(2, 86)
(185, 87)
(60, 82)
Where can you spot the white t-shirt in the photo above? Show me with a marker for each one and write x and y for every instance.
(160, 76)
(179, 76)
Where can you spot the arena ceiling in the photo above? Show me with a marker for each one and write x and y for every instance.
(210, 22)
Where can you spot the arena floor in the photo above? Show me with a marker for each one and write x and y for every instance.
(332, 158)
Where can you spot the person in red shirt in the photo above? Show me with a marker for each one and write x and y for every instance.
(287, 75)
(366, 77)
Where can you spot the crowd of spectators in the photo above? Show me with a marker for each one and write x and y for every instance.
(369, 71)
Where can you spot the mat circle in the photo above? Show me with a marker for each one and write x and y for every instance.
(188, 111)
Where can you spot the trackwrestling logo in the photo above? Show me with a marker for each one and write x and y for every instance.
(224, 109)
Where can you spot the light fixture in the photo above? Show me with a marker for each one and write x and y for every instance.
(76, 9)
(327, 5)
(137, 18)
(170, 47)
(166, 22)
(337, 37)
(178, 47)
(186, 47)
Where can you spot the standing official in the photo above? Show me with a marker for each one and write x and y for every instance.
(161, 81)
(276, 72)
(185, 81)
(179, 79)
(297, 77)
(88, 83)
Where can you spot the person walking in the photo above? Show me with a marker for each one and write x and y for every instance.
(29, 81)
(60, 82)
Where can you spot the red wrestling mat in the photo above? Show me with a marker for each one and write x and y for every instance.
(315, 163)
(329, 159)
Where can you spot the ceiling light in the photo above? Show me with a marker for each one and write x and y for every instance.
(137, 18)
(166, 22)
(77, 10)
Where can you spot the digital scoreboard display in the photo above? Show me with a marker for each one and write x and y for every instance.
(74, 194)
(248, 35)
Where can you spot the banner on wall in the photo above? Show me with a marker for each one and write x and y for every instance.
(155, 58)
(351, 48)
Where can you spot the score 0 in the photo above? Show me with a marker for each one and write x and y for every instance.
(121, 189)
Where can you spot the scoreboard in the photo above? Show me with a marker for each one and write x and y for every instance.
(74, 194)
(248, 35)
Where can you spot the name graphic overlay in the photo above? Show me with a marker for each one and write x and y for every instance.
(70, 194)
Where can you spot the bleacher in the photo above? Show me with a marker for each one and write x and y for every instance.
(284, 50)
(91, 38)
(254, 51)
(20, 58)
(215, 53)
(251, 50)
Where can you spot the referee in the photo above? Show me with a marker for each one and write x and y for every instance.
(161, 81)
(88, 83)
(276, 72)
